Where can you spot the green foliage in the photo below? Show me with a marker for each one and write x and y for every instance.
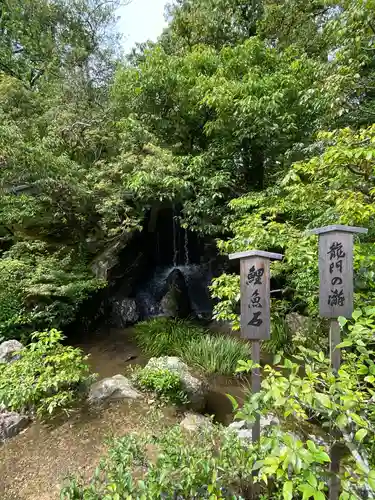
(334, 187)
(40, 289)
(215, 353)
(286, 464)
(218, 110)
(164, 383)
(194, 345)
(200, 465)
(341, 404)
(46, 378)
(56, 213)
(165, 337)
(41, 38)
(228, 113)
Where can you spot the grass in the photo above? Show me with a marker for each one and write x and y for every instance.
(193, 344)
(215, 354)
(164, 337)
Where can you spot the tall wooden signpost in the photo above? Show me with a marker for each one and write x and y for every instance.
(255, 307)
(336, 299)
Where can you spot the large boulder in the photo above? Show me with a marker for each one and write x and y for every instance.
(8, 351)
(195, 388)
(11, 423)
(124, 312)
(112, 389)
(176, 301)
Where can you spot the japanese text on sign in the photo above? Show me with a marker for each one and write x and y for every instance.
(336, 274)
(336, 256)
(254, 277)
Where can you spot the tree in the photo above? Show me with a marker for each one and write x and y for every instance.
(41, 38)
(334, 186)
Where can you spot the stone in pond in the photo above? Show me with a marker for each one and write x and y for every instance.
(195, 422)
(112, 389)
(8, 351)
(11, 423)
(195, 388)
(176, 301)
(124, 312)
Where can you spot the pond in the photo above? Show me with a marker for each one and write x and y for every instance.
(34, 464)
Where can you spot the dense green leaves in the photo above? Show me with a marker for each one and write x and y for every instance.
(335, 186)
(46, 377)
(256, 119)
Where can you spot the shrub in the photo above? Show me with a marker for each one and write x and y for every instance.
(45, 378)
(341, 403)
(166, 384)
(164, 336)
(215, 354)
(212, 464)
(40, 289)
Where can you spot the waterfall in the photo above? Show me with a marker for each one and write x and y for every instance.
(175, 249)
(150, 293)
(157, 248)
(186, 248)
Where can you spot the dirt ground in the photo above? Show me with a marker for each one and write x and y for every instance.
(34, 464)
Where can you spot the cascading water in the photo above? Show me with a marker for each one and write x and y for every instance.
(174, 229)
(186, 248)
(182, 264)
(197, 278)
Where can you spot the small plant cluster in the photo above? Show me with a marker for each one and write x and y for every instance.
(209, 464)
(206, 465)
(164, 383)
(194, 345)
(46, 378)
(164, 336)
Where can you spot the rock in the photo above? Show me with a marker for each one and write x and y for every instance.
(243, 428)
(245, 434)
(124, 312)
(196, 389)
(11, 423)
(195, 422)
(238, 425)
(108, 258)
(176, 301)
(112, 389)
(8, 350)
(267, 420)
(297, 323)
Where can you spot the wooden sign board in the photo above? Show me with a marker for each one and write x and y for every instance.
(255, 293)
(336, 275)
(336, 270)
(255, 298)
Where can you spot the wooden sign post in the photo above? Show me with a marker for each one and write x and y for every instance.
(336, 299)
(336, 278)
(255, 308)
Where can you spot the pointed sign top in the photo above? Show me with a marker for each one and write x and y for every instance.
(338, 228)
(255, 253)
